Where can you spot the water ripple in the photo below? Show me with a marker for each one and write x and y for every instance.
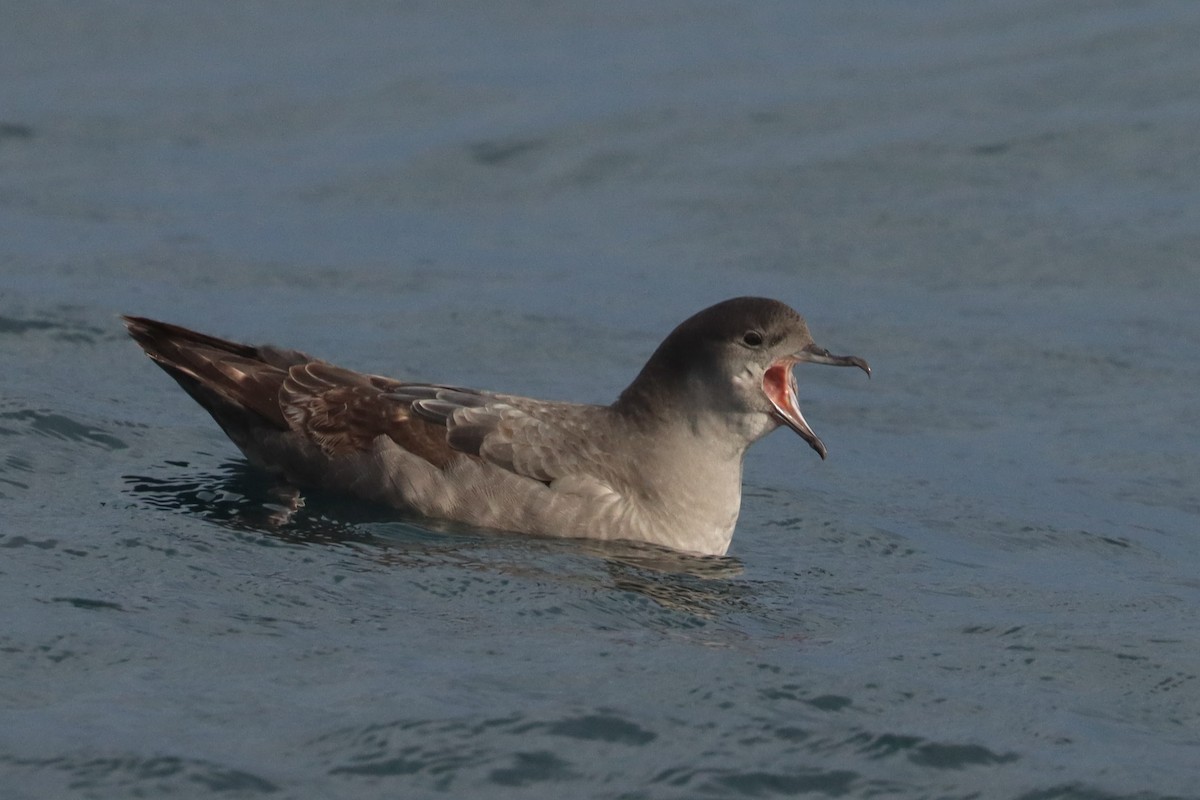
(135, 776)
(58, 426)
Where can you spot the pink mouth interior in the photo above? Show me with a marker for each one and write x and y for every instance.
(777, 384)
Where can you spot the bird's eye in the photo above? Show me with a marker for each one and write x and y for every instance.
(752, 338)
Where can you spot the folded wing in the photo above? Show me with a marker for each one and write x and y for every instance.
(259, 393)
(344, 411)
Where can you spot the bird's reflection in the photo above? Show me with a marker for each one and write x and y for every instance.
(238, 497)
(241, 498)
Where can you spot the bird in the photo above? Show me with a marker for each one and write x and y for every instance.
(661, 465)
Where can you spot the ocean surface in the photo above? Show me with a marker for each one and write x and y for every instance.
(991, 589)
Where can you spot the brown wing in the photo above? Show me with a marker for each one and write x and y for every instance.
(344, 411)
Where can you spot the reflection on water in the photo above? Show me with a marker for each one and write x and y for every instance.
(238, 497)
(647, 556)
(241, 498)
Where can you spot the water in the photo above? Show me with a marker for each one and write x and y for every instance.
(989, 589)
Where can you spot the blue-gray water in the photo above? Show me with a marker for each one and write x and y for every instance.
(989, 590)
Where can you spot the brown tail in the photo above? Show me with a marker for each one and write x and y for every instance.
(237, 384)
(161, 339)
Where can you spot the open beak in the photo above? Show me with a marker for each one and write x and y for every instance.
(779, 384)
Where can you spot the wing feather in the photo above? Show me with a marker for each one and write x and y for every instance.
(543, 441)
(344, 411)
